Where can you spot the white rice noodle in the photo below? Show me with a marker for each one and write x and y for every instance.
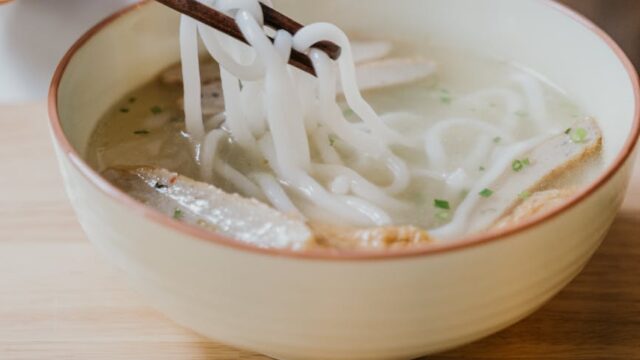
(276, 113)
(207, 156)
(311, 34)
(276, 194)
(242, 183)
(322, 143)
(459, 223)
(364, 214)
(434, 148)
(235, 117)
(282, 115)
(191, 77)
(536, 103)
(512, 101)
(360, 186)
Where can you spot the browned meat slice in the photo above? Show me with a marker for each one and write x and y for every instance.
(536, 204)
(198, 203)
(374, 238)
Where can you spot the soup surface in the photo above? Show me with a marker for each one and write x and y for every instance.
(489, 107)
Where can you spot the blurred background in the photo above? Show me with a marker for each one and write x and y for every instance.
(620, 18)
(35, 34)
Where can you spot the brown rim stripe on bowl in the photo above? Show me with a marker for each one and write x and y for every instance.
(464, 243)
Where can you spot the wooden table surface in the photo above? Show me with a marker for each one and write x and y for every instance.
(60, 300)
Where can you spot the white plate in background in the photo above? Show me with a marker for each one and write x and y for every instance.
(35, 34)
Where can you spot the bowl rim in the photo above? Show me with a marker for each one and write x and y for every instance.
(466, 242)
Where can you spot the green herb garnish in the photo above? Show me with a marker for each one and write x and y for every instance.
(124, 110)
(517, 165)
(578, 135)
(441, 204)
(497, 139)
(141, 132)
(156, 109)
(443, 215)
(332, 139)
(526, 162)
(177, 214)
(445, 96)
(486, 192)
(347, 112)
(481, 168)
(524, 195)
(567, 131)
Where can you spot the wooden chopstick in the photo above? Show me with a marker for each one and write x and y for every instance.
(272, 18)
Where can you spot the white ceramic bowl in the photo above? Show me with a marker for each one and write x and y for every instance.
(352, 306)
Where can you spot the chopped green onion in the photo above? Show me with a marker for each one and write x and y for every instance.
(443, 215)
(578, 135)
(441, 204)
(347, 112)
(567, 131)
(481, 168)
(177, 214)
(524, 195)
(332, 139)
(124, 110)
(445, 96)
(516, 165)
(486, 192)
(497, 139)
(526, 162)
(156, 109)
(141, 132)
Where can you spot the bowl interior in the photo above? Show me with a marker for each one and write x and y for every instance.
(132, 48)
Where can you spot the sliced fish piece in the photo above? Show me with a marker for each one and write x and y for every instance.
(373, 238)
(537, 203)
(190, 201)
(365, 51)
(536, 169)
(392, 72)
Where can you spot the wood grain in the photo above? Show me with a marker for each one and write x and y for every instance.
(61, 300)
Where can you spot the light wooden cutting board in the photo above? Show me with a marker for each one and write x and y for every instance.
(60, 300)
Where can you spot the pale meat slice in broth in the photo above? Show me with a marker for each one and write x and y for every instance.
(392, 72)
(243, 219)
(249, 220)
(546, 162)
(365, 51)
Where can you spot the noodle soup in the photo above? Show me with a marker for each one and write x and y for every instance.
(465, 117)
